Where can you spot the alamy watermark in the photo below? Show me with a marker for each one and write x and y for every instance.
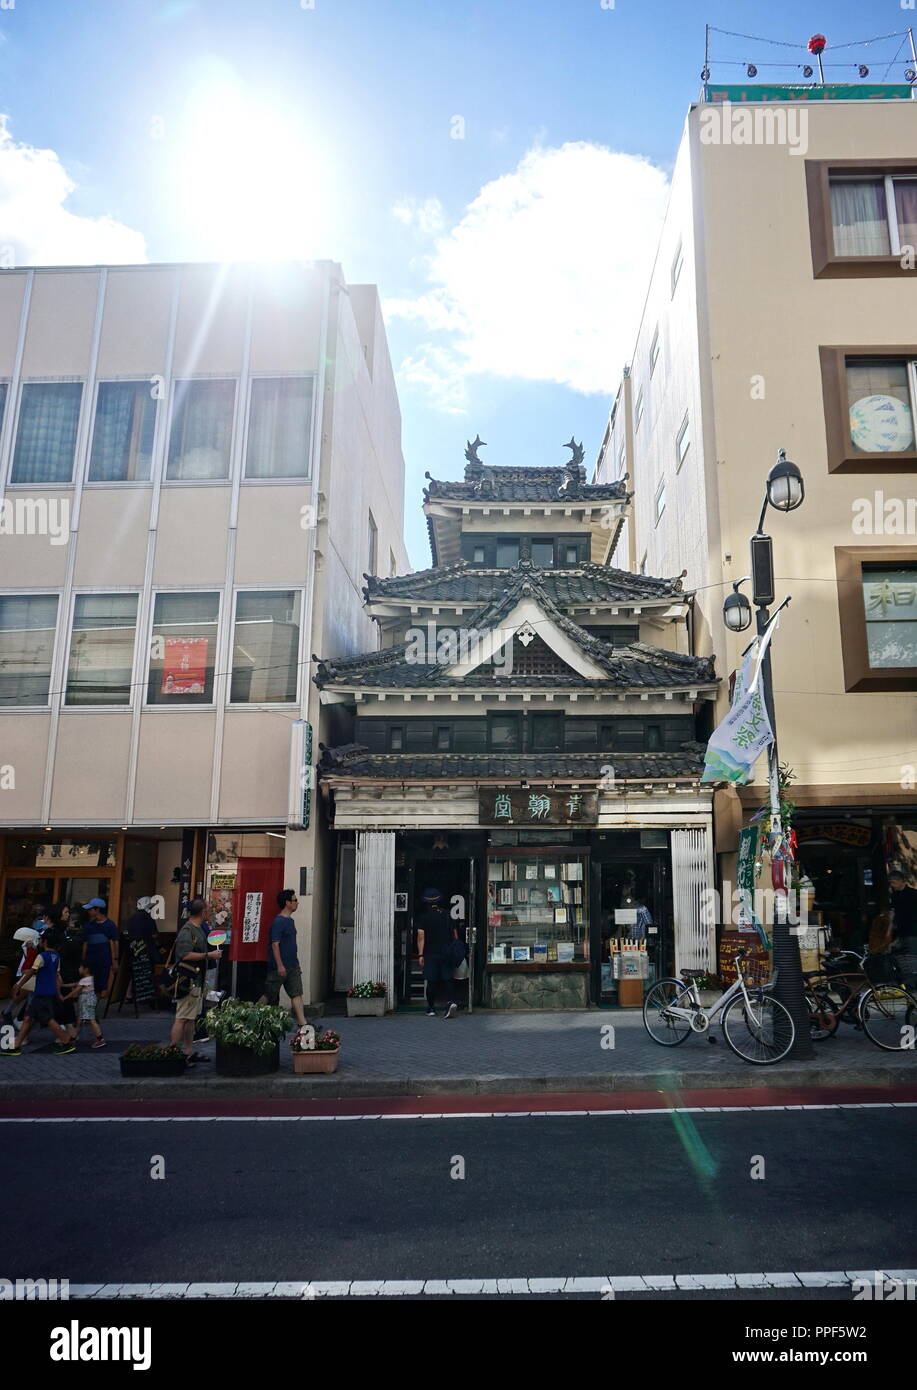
(728, 123)
(462, 646)
(36, 516)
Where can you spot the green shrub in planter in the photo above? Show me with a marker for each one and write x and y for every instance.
(259, 1027)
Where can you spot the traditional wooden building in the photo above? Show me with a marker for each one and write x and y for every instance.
(526, 740)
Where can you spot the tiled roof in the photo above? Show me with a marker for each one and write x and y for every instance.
(483, 483)
(626, 668)
(353, 760)
(586, 583)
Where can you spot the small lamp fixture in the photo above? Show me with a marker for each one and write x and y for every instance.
(751, 70)
(737, 610)
(863, 70)
(808, 70)
(705, 74)
(910, 75)
(785, 487)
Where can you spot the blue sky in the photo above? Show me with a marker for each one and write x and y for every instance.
(502, 256)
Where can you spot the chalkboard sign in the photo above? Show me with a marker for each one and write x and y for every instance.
(141, 972)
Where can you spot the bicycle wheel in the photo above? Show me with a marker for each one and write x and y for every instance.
(663, 1027)
(823, 1016)
(888, 1014)
(760, 1031)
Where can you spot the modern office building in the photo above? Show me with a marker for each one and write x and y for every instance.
(781, 314)
(197, 465)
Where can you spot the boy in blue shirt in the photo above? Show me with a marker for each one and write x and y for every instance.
(40, 1009)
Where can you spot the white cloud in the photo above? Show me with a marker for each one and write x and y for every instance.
(35, 226)
(545, 275)
(425, 217)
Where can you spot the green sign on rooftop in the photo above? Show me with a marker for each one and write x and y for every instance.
(857, 91)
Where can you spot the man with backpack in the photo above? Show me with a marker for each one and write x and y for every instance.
(191, 957)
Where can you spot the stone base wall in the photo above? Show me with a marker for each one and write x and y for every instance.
(517, 990)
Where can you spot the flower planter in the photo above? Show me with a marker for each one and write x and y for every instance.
(243, 1061)
(138, 1067)
(369, 1008)
(316, 1062)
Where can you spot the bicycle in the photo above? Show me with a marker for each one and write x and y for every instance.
(757, 1027)
(873, 997)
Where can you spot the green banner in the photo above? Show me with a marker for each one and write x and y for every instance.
(860, 91)
(745, 876)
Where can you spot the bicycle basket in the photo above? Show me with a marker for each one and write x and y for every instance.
(757, 972)
(882, 969)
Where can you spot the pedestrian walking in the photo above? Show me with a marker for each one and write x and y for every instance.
(434, 951)
(40, 1010)
(191, 956)
(100, 944)
(283, 957)
(83, 995)
(28, 939)
(904, 923)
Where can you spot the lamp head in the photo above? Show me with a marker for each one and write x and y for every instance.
(785, 487)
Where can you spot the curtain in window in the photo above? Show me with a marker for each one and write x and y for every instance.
(46, 438)
(201, 435)
(122, 441)
(859, 218)
(906, 203)
(278, 428)
(102, 649)
(27, 628)
(265, 650)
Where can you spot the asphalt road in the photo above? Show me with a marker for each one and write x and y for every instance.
(566, 1196)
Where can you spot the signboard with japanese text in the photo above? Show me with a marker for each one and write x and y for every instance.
(251, 920)
(537, 807)
(832, 91)
(184, 666)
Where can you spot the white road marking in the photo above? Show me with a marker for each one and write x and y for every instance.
(446, 1115)
(435, 1288)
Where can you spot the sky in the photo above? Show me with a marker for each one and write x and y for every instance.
(499, 168)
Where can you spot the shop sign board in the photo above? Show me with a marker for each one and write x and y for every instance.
(251, 917)
(857, 835)
(537, 807)
(831, 91)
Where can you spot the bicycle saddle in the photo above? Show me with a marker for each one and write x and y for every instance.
(693, 974)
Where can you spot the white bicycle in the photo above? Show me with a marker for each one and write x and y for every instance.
(756, 1026)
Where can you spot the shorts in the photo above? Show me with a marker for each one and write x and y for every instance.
(292, 984)
(65, 1013)
(189, 1007)
(101, 969)
(86, 1005)
(40, 1009)
(438, 968)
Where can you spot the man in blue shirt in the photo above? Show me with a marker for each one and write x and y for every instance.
(100, 950)
(40, 1009)
(283, 958)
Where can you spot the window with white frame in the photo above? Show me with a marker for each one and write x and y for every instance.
(654, 352)
(200, 439)
(682, 442)
(638, 410)
(677, 262)
(49, 414)
(122, 435)
(28, 624)
(265, 648)
(183, 646)
(873, 215)
(102, 649)
(659, 505)
(881, 400)
(279, 427)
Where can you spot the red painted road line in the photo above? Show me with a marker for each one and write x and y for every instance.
(438, 1105)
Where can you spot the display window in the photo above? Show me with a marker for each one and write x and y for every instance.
(538, 908)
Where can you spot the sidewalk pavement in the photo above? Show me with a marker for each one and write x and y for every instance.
(476, 1054)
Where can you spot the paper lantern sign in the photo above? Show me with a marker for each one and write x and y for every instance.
(881, 425)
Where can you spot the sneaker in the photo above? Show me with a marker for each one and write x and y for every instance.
(65, 1047)
(198, 1057)
(99, 1042)
(431, 1013)
(452, 1009)
(11, 1052)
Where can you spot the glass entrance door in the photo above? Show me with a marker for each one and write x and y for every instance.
(631, 911)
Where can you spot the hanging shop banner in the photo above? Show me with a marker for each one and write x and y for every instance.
(831, 91)
(738, 741)
(844, 834)
(251, 917)
(745, 875)
(537, 808)
(184, 666)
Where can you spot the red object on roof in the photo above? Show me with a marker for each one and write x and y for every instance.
(817, 43)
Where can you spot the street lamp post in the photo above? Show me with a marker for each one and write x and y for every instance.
(785, 492)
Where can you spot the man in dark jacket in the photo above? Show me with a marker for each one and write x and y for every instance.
(434, 949)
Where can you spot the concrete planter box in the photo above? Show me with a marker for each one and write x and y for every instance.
(366, 1008)
(308, 1063)
(242, 1061)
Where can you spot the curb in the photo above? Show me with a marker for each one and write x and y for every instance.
(289, 1087)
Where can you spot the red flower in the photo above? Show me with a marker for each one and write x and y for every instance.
(817, 43)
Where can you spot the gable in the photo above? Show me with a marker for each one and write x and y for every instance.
(526, 624)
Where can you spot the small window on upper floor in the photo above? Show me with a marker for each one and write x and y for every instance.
(571, 555)
(543, 554)
(873, 216)
(122, 436)
(654, 352)
(443, 738)
(28, 625)
(395, 738)
(49, 414)
(682, 442)
(659, 507)
(638, 410)
(507, 554)
(652, 738)
(677, 263)
(478, 558)
(279, 427)
(200, 440)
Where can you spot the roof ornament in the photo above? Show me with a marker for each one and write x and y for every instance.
(474, 468)
(576, 473)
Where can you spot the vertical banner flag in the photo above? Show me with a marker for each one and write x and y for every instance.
(737, 742)
(745, 874)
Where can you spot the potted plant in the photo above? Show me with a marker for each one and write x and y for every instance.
(710, 989)
(367, 998)
(151, 1059)
(315, 1052)
(247, 1037)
